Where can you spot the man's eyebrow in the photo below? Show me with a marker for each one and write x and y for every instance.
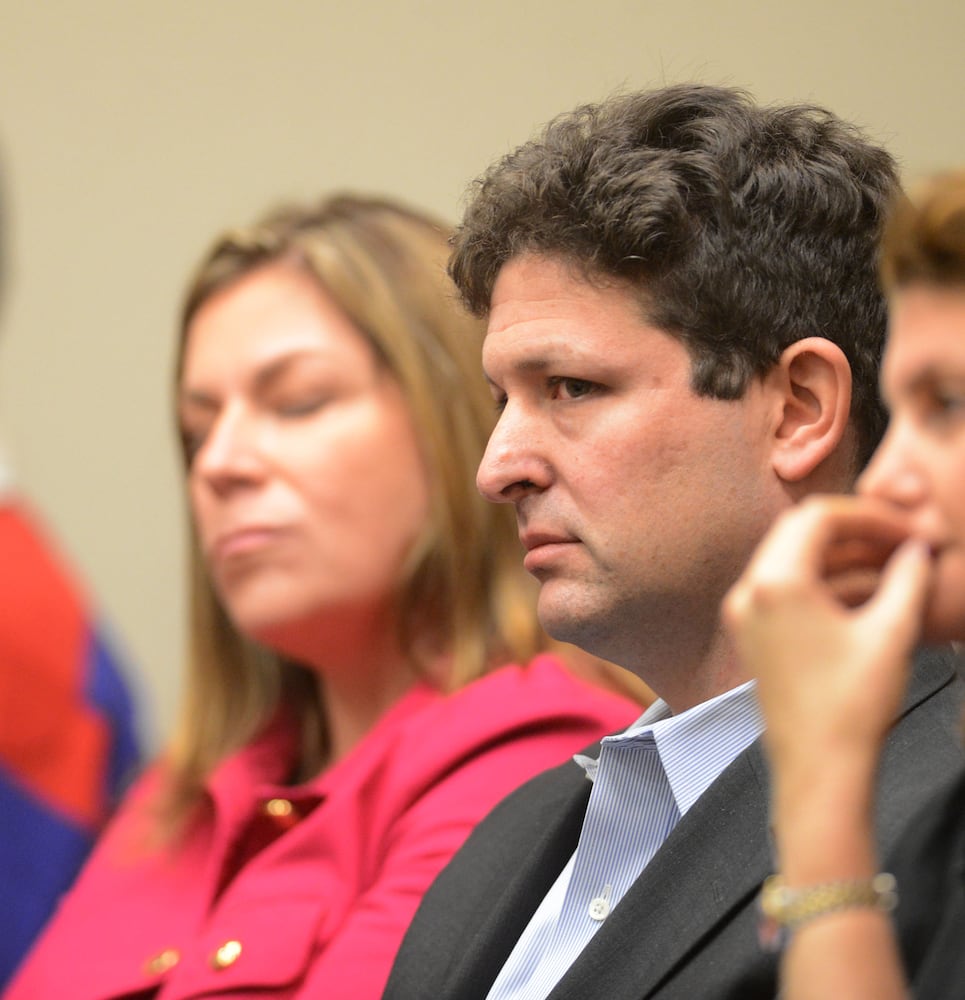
(532, 365)
(525, 366)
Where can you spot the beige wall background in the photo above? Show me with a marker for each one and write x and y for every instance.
(132, 131)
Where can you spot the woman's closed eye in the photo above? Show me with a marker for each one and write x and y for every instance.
(301, 405)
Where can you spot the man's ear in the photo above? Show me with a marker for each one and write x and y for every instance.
(813, 382)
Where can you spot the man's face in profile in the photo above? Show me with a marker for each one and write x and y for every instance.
(637, 499)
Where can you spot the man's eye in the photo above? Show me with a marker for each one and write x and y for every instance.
(572, 388)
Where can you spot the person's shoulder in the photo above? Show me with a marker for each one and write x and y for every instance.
(923, 749)
(542, 692)
(933, 667)
(518, 718)
(934, 698)
(551, 683)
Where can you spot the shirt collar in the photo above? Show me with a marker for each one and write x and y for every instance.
(695, 746)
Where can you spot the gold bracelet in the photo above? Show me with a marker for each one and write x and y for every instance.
(785, 909)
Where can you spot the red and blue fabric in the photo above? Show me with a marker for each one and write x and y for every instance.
(68, 734)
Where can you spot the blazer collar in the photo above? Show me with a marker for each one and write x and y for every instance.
(561, 807)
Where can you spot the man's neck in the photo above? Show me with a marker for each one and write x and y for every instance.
(684, 681)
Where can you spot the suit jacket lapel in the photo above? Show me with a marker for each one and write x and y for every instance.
(713, 861)
(552, 832)
(906, 773)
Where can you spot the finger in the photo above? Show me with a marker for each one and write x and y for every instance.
(851, 553)
(853, 586)
(899, 603)
(793, 546)
(822, 535)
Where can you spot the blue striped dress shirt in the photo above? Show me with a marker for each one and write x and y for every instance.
(644, 780)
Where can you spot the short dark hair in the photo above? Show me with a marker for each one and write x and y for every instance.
(745, 228)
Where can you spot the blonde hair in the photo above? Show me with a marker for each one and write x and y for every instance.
(465, 592)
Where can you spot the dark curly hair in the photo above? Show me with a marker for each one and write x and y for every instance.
(745, 228)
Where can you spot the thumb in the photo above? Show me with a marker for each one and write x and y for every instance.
(899, 604)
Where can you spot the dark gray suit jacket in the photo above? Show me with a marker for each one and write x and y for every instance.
(687, 928)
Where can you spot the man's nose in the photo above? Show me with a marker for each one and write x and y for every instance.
(514, 463)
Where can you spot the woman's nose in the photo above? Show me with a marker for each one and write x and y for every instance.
(229, 452)
(894, 472)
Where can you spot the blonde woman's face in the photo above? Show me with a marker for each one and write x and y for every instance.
(306, 481)
(920, 465)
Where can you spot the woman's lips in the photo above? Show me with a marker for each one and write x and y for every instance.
(243, 541)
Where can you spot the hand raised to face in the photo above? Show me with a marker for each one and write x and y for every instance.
(825, 617)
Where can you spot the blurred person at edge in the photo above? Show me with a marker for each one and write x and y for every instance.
(345, 725)
(69, 737)
(826, 616)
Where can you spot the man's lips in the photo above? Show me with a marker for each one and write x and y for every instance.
(536, 539)
(542, 547)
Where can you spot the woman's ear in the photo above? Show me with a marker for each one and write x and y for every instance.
(813, 381)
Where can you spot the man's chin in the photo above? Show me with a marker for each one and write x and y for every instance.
(560, 630)
(567, 620)
(554, 610)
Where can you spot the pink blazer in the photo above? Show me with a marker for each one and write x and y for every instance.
(260, 902)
